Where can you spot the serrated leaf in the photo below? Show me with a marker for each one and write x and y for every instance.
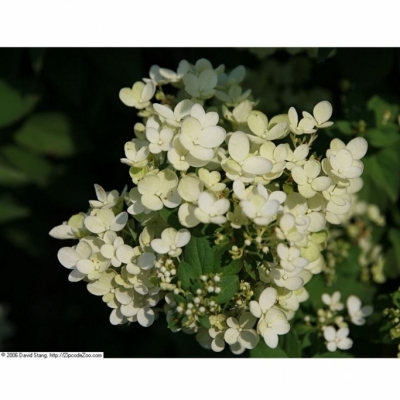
(263, 351)
(229, 285)
(36, 168)
(47, 133)
(11, 210)
(187, 272)
(13, 104)
(199, 254)
(233, 268)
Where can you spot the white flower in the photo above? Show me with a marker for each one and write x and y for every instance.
(306, 124)
(73, 229)
(358, 147)
(102, 220)
(172, 76)
(69, 257)
(357, 314)
(265, 130)
(211, 180)
(104, 199)
(239, 335)
(136, 305)
(277, 155)
(139, 96)
(308, 180)
(201, 85)
(201, 136)
(115, 250)
(136, 152)
(333, 301)
(272, 321)
(190, 187)
(290, 258)
(337, 339)
(159, 140)
(211, 209)
(288, 279)
(242, 164)
(297, 157)
(174, 118)
(105, 286)
(159, 189)
(171, 242)
(322, 112)
(262, 207)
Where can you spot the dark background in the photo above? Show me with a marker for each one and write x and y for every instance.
(47, 312)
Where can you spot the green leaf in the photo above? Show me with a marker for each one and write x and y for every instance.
(263, 351)
(170, 217)
(219, 251)
(383, 137)
(179, 299)
(233, 268)
(199, 254)
(291, 344)
(392, 267)
(188, 272)
(249, 269)
(394, 237)
(10, 210)
(344, 127)
(13, 104)
(334, 354)
(47, 133)
(229, 285)
(384, 111)
(349, 267)
(205, 322)
(309, 339)
(37, 169)
(10, 176)
(385, 172)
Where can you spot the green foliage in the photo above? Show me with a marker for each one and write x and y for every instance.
(187, 273)
(47, 134)
(14, 105)
(199, 254)
(229, 285)
(10, 210)
(35, 168)
(263, 351)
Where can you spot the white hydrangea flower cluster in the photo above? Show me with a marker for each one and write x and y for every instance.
(228, 215)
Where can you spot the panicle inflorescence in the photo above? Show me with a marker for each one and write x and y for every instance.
(228, 215)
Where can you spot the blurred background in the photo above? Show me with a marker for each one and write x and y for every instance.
(63, 128)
